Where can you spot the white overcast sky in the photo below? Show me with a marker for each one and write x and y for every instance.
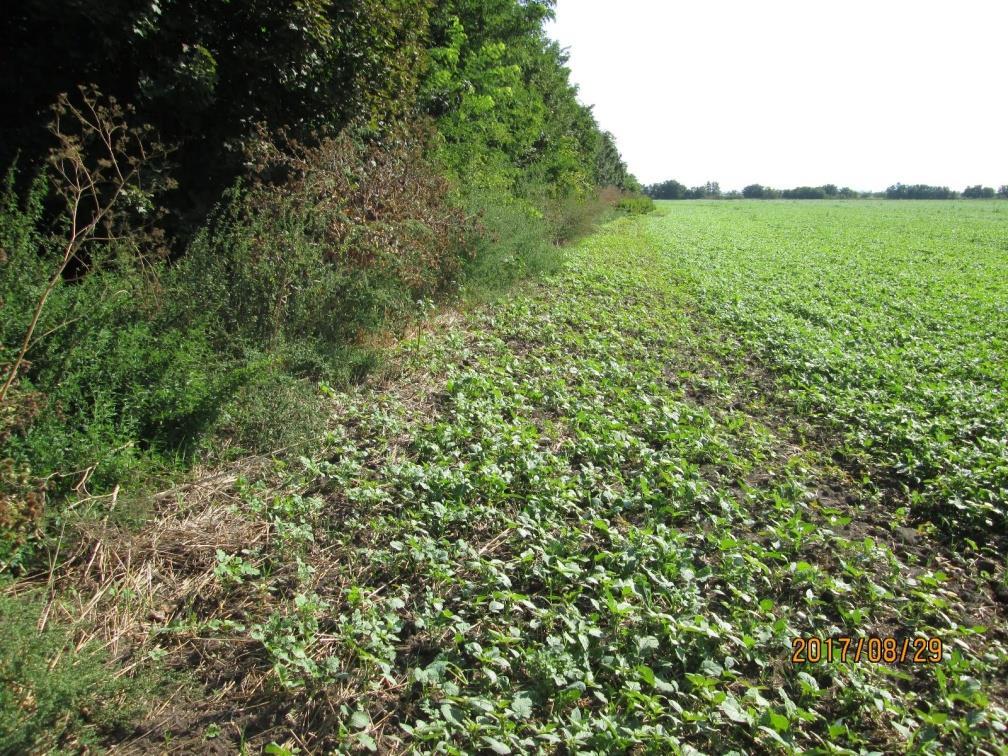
(790, 93)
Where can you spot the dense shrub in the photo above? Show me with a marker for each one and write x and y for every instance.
(511, 241)
(101, 376)
(137, 359)
(573, 217)
(636, 205)
(105, 367)
(55, 696)
(114, 377)
(326, 243)
(84, 330)
(21, 495)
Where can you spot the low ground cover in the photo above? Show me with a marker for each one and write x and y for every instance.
(594, 516)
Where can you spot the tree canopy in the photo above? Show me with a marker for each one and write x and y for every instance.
(207, 74)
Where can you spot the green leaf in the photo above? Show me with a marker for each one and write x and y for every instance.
(730, 708)
(646, 674)
(778, 722)
(496, 746)
(646, 643)
(367, 742)
(522, 707)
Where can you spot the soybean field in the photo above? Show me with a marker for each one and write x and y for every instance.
(734, 477)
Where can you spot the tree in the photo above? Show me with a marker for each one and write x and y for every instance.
(918, 191)
(753, 191)
(978, 192)
(710, 190)
(805, 192)
(501, 95)
(610, 170)
(206, 72)
(666, 190)
(1003, 191)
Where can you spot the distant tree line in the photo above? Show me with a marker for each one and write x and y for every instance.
(826, 191)
(923, 191)
(674, 190)
(981, 192)
(919, 191)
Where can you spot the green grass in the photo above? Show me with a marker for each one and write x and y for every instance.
(57, 695)
(592, 517)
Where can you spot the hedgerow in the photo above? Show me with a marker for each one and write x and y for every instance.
(214, 214)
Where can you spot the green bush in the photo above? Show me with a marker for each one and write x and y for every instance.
(254, 278)
(574, 216)
(636, 205)
(53, 697)
(274, 411)
(512, 242)
(346, 241)
(134, 362)
(113, 383)
(112, 371)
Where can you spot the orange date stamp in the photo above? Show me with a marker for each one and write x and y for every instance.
(872, 649)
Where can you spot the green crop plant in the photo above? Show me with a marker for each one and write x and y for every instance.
(594, 516)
